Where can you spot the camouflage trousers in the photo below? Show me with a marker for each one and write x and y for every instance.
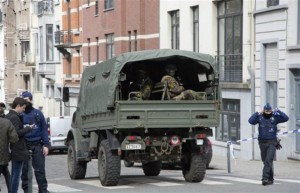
(189, 95)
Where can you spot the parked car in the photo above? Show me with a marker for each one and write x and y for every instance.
(58, 128)
(207, 155)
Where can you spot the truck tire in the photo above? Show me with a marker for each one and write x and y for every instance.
(128, 163)
(152, 168)
(193, 168)
(77, 170)
(109, 165)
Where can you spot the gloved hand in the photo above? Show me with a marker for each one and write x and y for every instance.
(275, 112)
(278, 145)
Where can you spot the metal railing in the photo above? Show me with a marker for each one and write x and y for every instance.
(63, 37)
(230, 67)
(45, 7)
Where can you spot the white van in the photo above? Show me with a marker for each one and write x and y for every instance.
(58, 128)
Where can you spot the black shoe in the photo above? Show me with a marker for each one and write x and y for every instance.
(267, 182)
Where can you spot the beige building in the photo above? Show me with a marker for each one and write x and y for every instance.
(16, 22)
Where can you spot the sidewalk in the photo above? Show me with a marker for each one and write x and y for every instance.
(289, 169)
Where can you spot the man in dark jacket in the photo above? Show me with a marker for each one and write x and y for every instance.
(8, 135)
(19, 152)
(37, 141)
(267, 137)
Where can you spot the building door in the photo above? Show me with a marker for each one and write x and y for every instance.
(297, 113)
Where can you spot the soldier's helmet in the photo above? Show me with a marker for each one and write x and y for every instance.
(170, 69)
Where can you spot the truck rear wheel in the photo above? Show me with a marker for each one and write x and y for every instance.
(152, 168)
(109, 165)
(77, 170)
(193, 168)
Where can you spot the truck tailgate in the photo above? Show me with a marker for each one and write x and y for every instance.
(165, 114)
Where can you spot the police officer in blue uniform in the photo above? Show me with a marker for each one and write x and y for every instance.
(267, 122)
(38, 143)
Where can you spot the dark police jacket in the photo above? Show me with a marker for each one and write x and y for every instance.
(267, 127)
(19, 150)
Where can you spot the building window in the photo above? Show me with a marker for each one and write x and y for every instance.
(129, 41)
(24, 50)
(174, 29)
(97, 49)
(272, 3)
(89, 51)
(49, 42)
(36, 40)
(135, 40)
(96, 8)
(195, 28)
(230, 32)
(230, 121)
(38, 83)
(108, 4)
(109, 46)
(271, 72)
(41, 44)
(298, 24)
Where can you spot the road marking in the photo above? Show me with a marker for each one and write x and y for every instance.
(237, 179)
(212, 182)
(163, 184)
(97, 183)
(59, 188)
(288, 180)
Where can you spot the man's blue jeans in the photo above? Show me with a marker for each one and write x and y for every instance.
(16, 169)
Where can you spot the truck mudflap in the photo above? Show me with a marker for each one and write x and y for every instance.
(133, 142)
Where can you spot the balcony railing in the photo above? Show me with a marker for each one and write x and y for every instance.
(63, 37)
(231, 67)
(45, 7)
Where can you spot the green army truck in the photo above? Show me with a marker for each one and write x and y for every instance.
(107, 125)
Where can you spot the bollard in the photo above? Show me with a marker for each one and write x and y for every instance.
(228, 158)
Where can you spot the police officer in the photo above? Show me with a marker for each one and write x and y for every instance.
(267, 122)
(38, 143)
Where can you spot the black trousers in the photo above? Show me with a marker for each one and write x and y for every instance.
(267, 152)
(38, 164)
(4, 170)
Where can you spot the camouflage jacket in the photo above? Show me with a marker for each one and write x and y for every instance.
(8, 135)
(174, 88)
(143, 89)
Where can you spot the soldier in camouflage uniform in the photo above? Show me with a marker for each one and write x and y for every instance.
(142, 87)
(175, 88)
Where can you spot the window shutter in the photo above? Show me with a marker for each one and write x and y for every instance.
(271, 62)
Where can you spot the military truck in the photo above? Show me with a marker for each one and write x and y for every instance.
(107, 125)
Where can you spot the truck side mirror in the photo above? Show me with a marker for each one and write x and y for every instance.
(66, 95)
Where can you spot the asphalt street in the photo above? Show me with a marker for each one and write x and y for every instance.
(244, 177)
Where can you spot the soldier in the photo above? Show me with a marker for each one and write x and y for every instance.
(267, 121)
(175, 88)
(142, 87)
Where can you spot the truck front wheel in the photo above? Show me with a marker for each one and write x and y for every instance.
(152, 168)
(109, 165)
(193, 168)
(77, 170)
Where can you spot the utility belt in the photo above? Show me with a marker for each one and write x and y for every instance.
(267, 140)
(33, 143)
